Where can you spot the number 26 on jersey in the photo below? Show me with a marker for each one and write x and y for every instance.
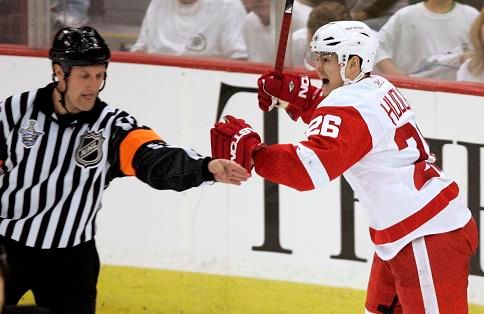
(327, 125)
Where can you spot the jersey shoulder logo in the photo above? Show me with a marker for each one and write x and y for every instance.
(29, 134)
(90, 150)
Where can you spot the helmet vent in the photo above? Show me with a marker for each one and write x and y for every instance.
(334, 43)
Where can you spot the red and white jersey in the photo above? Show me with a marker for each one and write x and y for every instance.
(367, 132)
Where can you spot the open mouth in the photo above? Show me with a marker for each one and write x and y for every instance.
(325, 81)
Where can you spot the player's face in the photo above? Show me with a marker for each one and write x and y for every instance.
(328, 71)
(83, 87)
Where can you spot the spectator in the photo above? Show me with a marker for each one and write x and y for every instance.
(247, 5)
(72, 145)
(420, 31)
(375, 13)
(302, 9)
(258, 33)
(300, 14)
(323, 13)
(210, 28)
(473, 68)
(72, 13)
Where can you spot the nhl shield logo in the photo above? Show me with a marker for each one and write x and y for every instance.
(90, 151)
(29, 134)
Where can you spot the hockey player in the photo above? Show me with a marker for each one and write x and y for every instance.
(61, 146)
(362, 127)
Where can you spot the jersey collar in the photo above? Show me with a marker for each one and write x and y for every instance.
(43, 101)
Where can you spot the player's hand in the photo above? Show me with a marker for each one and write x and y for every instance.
(266, 101)
(235, 140)
(227, 171)
(297, 91)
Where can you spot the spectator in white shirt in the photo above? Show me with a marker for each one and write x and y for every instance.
(417, 32)
(473, 68)
(205, 28)
(375, 13)
(259, 33)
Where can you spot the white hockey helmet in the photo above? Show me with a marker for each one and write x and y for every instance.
(344, 38)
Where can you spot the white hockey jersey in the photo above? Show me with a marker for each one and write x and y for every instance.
(367, 132)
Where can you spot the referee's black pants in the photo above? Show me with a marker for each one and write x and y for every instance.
(62, 280)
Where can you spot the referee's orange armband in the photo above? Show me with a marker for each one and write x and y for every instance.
(130, 145)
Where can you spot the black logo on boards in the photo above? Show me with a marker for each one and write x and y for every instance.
(90, 150)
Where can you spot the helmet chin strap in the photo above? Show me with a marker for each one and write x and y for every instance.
(62, 93)
(347, 81)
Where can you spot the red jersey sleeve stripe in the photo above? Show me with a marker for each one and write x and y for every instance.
(130, 145)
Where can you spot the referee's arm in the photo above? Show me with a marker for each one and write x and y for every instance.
(143, 154)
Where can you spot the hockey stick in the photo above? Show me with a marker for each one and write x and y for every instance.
(281, 48)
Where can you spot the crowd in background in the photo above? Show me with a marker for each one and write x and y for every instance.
(430, 38)
(440, 39)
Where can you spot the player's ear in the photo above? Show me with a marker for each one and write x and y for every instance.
(355, 62)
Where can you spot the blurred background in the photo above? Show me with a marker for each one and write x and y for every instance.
(450, 37)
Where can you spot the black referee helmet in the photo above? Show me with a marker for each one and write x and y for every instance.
(79, 47)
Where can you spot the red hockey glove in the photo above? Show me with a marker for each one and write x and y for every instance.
(296, 90)
(234, 140)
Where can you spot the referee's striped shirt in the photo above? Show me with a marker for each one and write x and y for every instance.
(55, 168)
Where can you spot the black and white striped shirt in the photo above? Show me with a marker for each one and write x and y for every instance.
(55, 168)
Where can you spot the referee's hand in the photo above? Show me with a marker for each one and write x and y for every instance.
(227, 171)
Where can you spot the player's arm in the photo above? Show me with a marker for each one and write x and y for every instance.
(338, 137)
(300, 96)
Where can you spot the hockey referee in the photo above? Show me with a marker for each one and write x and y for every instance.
(60, 146)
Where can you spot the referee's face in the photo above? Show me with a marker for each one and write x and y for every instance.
(83, 87)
